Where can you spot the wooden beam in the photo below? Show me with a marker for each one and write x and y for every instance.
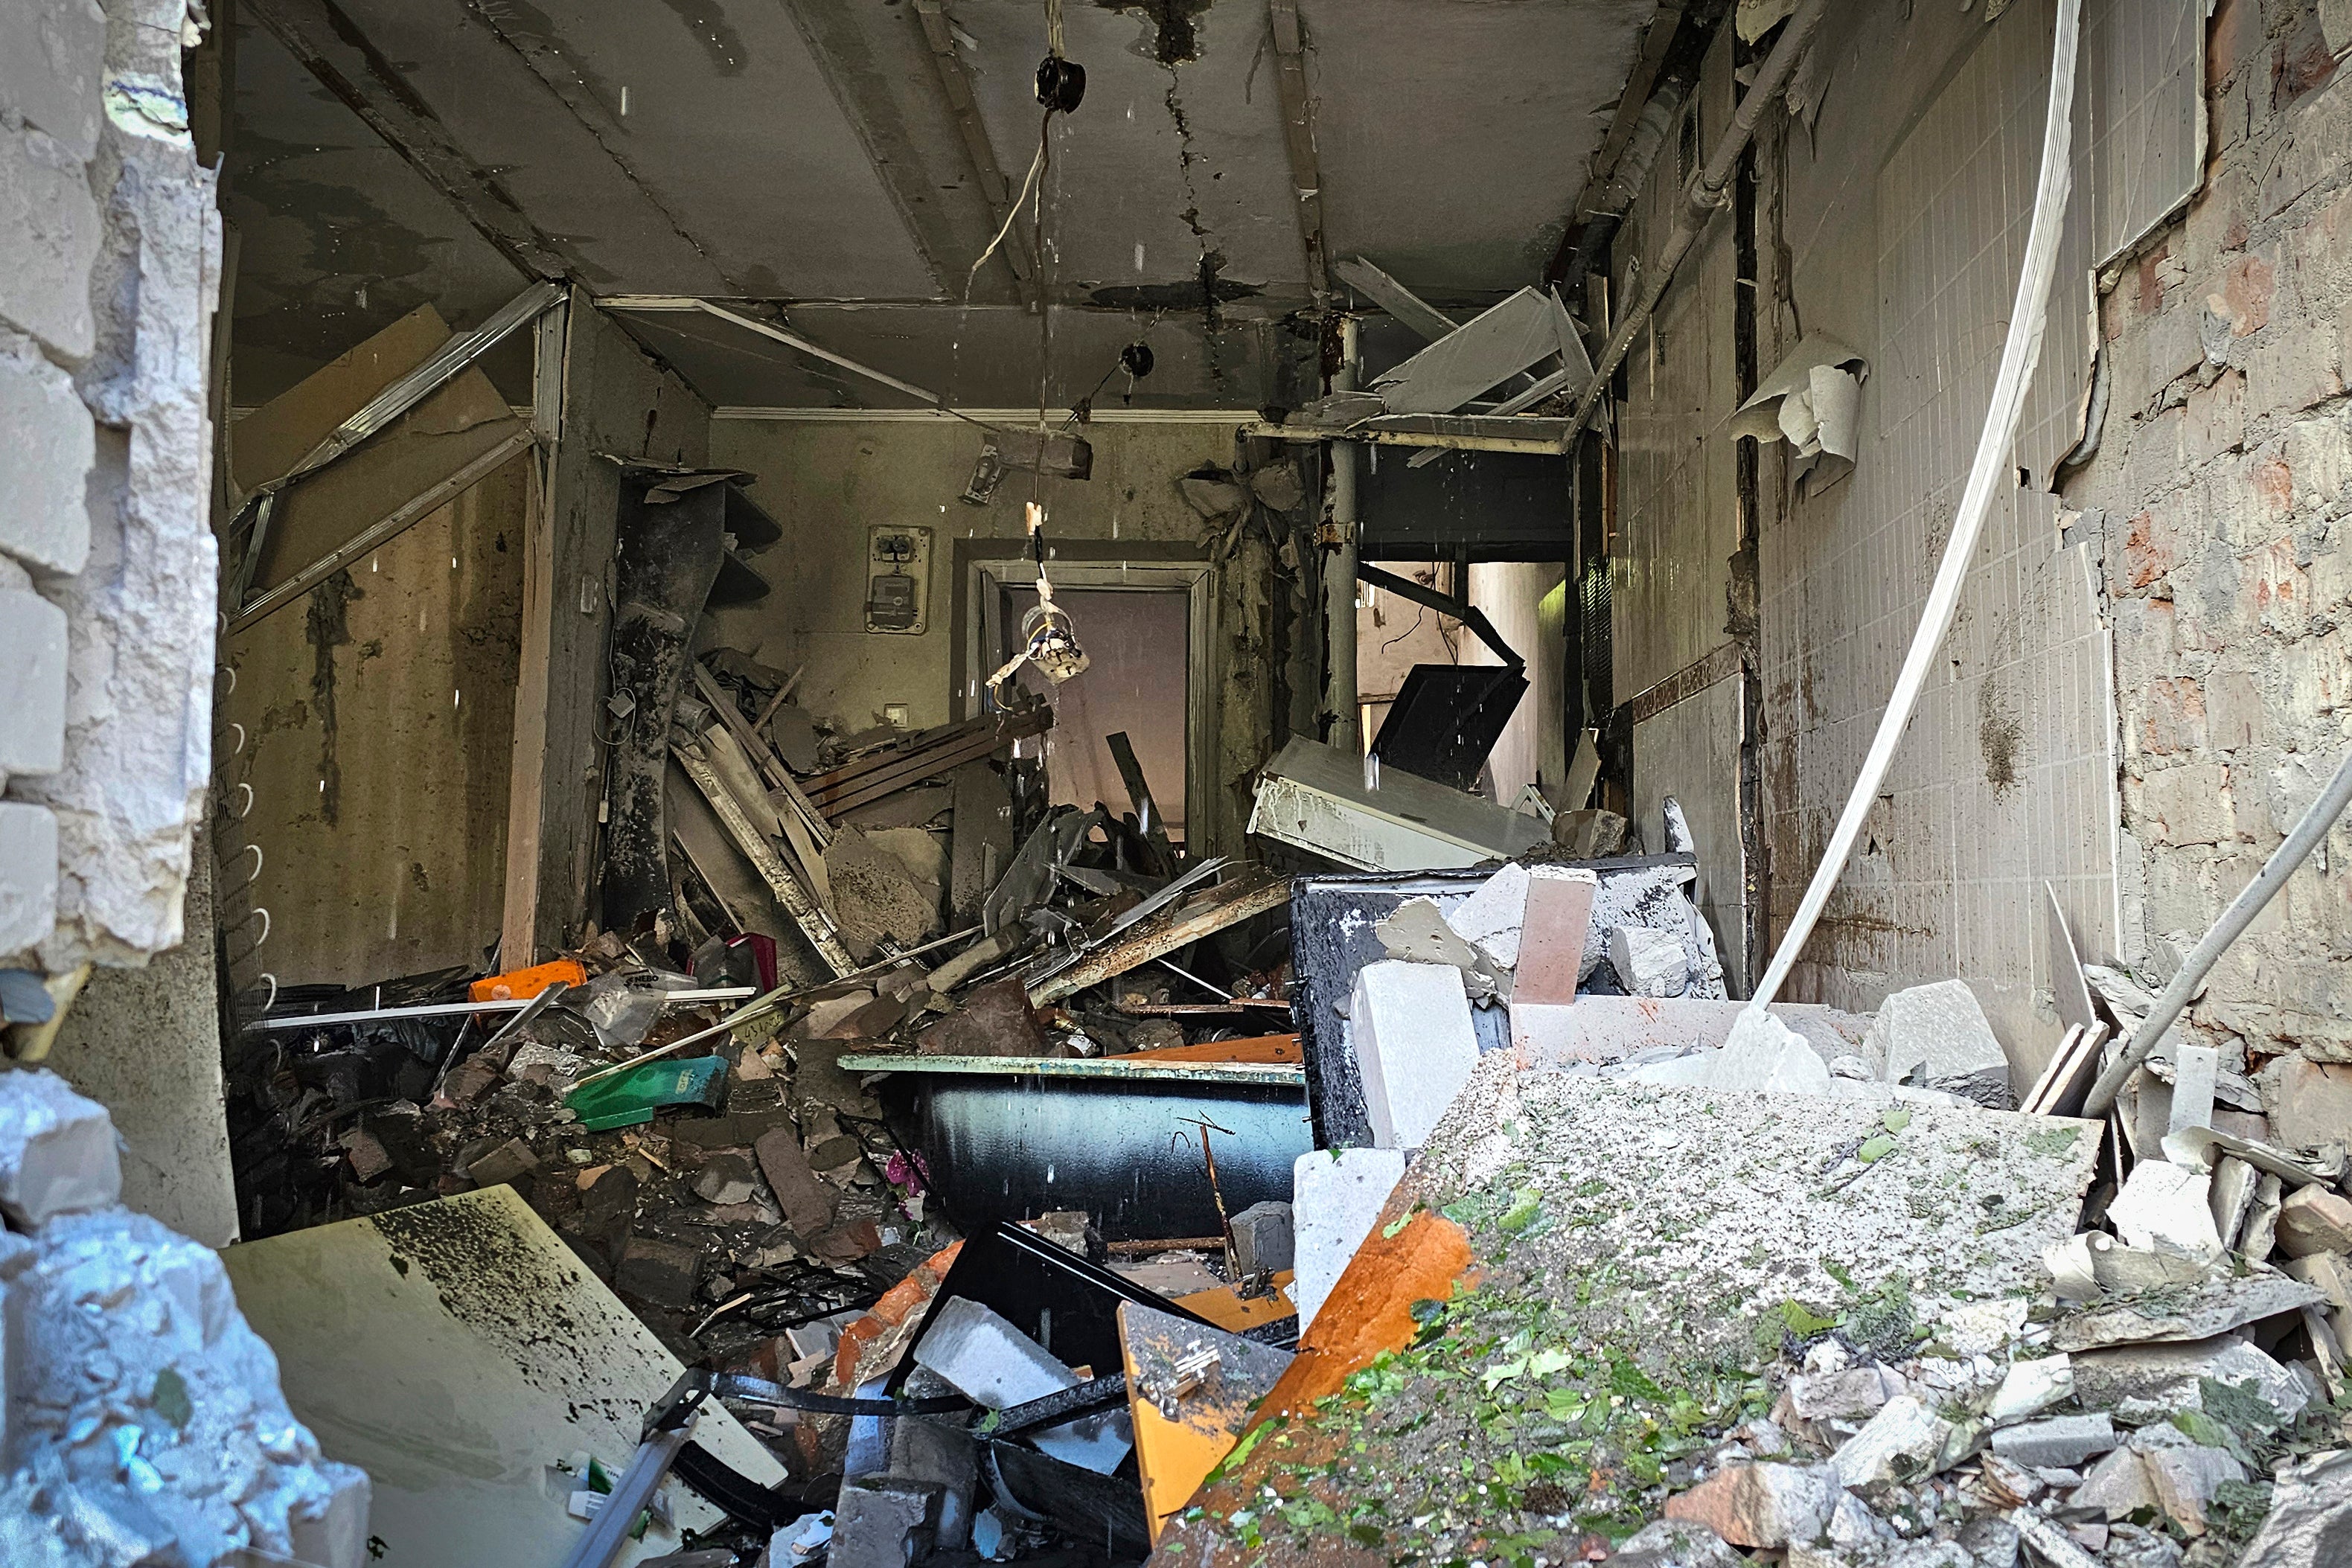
(526, 766)
(1299, 139)
(1229, 903)
(762, 852)
(963, 107)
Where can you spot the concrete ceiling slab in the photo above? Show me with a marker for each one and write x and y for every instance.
(1453, 135)
(983, 356)
(338, 237)
(1169, 186)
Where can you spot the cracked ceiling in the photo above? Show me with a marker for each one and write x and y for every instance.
(808, 153)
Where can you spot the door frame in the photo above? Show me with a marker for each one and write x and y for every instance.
(985, 567)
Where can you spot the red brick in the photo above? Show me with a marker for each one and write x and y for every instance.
(2243, 295)
(2273, 483)
(2147, 556)
(2173, 718)
(2273, 590)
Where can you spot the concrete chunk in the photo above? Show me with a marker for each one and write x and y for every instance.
(1939, 1031)
(1649, 962)
(1335, 1197)
(1490, 918)
(2117, 1488)
(2310, 1517)
(1765, 1056)
(1900, 1443)
(28, 874)
(2185, 1479)
(1675, 1543)
(2314, 1220)
(2031, 1388)
(2167, 1209)
(995, 1365)
(1415, 1047)
(57, 1152)
(1263, 1242)
(2172, 1377)
(880, 1521)
(945, 1459)
(1763, 1505)
(2060, 1442)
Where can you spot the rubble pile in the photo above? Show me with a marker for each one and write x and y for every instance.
(140, 1420)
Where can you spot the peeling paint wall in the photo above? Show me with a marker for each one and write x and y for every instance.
(2218, 500)
(110, 248)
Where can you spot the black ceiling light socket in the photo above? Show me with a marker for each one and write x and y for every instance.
(1136, 358)
(1061, 84)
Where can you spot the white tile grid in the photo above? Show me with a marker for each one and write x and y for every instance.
(1956, 888)
(2146, 63)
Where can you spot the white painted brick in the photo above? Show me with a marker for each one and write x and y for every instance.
(1415, 1047)
(51, 55)
(33, 653)
(45, 465)
(28, 875)
(52, 223)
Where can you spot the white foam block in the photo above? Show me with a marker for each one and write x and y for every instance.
(1415, 1047)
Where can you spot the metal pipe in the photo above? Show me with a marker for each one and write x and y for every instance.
(2250, 901)
(1339, 692)
(1705, 193)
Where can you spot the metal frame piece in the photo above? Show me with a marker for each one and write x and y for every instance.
(443, 366)
(662, 304)
(384, 529)
(1462, 609)
(1408, 309)
(1540, 435)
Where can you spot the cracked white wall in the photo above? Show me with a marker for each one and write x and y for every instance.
(109, 273)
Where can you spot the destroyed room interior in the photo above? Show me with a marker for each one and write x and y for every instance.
(912, 783)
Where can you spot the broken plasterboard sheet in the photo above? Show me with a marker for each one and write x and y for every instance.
(1313, 797)
(455, 1351)
(1812, 399)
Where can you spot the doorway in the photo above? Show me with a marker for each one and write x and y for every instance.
(1145, 627)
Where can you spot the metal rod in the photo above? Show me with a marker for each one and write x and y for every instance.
(461, 1010)
(1340, 697)
(794, 340)
(1704, 196)
(2250, 901)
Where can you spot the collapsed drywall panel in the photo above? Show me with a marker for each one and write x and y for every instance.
(1690, 752)
(460, 1353)
(377, 715)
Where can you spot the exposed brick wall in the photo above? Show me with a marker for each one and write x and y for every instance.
(110, 248)
(2219, 488)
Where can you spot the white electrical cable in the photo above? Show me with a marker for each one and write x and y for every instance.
(2018, 356)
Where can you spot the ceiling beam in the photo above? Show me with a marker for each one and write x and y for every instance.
(396, 114)
(963, 107)
(879, 72)
(1665, 21)
(1298, 140)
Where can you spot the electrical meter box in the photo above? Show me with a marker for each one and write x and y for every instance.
(898, 579)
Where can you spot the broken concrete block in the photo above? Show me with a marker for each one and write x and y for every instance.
(930, 1454)
(1765, 1056)
(2330, 1272)
(1939, 1033)
(1854, 1394)
(2234, 1182)
(1416, 932)
(2310, 1102)
(57, 1152)
(2219, 1303)
(508, 1163)
(2185, 1478)
(2166, 1207)
(1335, 1197)
(658, 1271)
(1262, 1238)
(2031, 1388)
(2314, 1220)
(2161, 1378)
(1980, 1328)
(2060, 1442)
(807, 1201)
(1415, 1047)
(1900, 1443)
(1760, 1505)
(2195, 1069)
(1490, 918)
(1675, 1543)
(727, 1176)
(2310, 1517)
(1555, 940)
(880, 1521)
(993, 1365)
(2116, 1488)
(1649, 962)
